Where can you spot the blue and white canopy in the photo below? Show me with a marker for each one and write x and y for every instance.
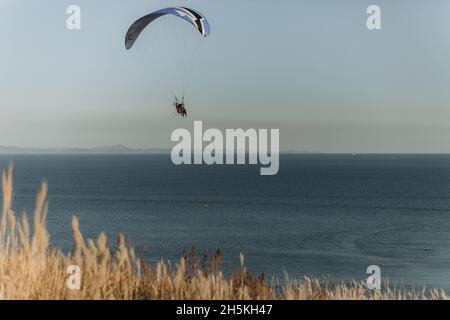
(191, 16)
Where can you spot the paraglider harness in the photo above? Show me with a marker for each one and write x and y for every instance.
(180, 108)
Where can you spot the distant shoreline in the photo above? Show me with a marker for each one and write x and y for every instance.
(122, 149)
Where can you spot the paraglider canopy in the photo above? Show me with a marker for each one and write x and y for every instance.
(190, 15)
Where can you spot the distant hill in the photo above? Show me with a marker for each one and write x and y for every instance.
(107, 149)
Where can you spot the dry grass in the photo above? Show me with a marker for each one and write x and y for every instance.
(30, 269)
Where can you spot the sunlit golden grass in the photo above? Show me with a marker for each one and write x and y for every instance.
(31, 269)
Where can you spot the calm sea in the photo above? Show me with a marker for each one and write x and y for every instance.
(322, 215)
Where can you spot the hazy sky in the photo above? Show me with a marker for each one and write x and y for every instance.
(310, 68)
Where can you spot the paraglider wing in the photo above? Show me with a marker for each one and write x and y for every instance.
(191, 16)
